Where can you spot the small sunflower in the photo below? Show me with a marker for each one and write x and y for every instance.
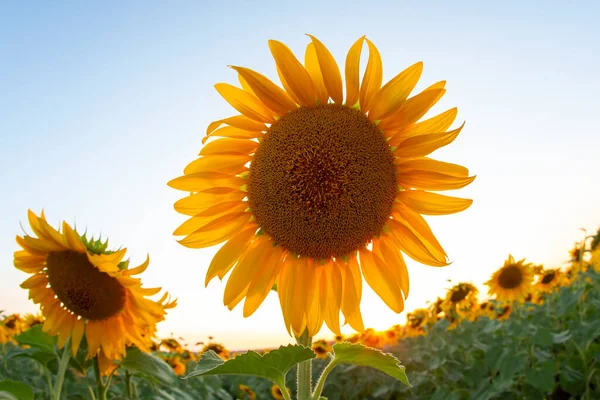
(247, 392)
(416, 321)
(460, 299)
(172, 345)
(550, 279)
(321, 348)
(14, 324)
(308, 187)
(512, 282)
(485, 309)
(31, 320)
(503, 312)
(277, 394)
(83, 289)
(178, 366)
(217, 348)
(339, 338)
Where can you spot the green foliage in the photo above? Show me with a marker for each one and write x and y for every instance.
(273, 366)
(15, 390)
(149, 366)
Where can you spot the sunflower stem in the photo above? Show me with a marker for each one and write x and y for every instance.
(321, 382)
(304, 370)
(49, 380)
(128, 384)
(62, 369)
(102, 388)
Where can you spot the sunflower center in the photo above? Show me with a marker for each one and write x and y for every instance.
(322, 181)
(549, 277)
(82, 288)
(510, 277)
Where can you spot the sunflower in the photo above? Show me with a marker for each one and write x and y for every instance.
(217, 348)
(512, 282)
(31, 320)
(277, 394)
(178, 366)
(339, 338)
(416, 321)
(247, 392)
(4, 335)
(83, 289)
(550, 279)
(13, 324)
(321, 348)
(504, 312)
(172, 345)
(460, 300)
(308, 187)
(485, 309)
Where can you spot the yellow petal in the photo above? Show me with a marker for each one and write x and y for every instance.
(303, 282)
(199, 181)
(427, 180)
(77, 335)
(411, 110)
(139, 269)
(209, 215)
(245, 103)
(372, 79)
(65, 330)
(439, 123)
(285, 289)
(333, 282)
(229, 146)
(237, 121)
(409, 243)
(198, 202)
(329, 70)
(34, 280)
(270, 94)
(246, 267)
(263, 280)
(395, 261)
(380, 278)
(352, 292)
(229, 254)
(419, 226)
(432, 203)
(225, 164)
(41, 245)
(311, 63)
(295, 74)
(73, 239)
(388, 99)
(423, 145)
(314, 316)
(217, 231)
(245, 85)
(287, 87)
(44, 231)
(353, 72)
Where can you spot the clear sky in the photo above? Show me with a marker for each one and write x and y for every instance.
(101, 104)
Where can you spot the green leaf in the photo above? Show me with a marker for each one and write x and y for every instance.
(274, 365)
(34, 337)
(15, 390)
(148, 365)
(542, 376)
(561, 337)
(357, 354)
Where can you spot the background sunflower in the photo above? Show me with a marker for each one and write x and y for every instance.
(512, 282)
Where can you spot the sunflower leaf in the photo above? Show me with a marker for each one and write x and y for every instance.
(148, 365)
(15, 390)
(357, 354)
(35, 337)
(274, 365)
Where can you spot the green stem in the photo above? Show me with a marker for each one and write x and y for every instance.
(128, 384)
(322, 379)
(102, 388)
(62, 369)
(49, 380)
(304, 370)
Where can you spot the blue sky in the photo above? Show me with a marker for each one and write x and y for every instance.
(101, 104)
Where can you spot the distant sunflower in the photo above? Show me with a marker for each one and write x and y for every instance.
(217, 348)
(248, 393)
(339, 338)
(416, 321)
(277, 394)
(504, 312)
(84, 289)
(550, 279)
(4, 335)
(512, 282)
(308, 188)
(31, 320)
(321, 348)
(460, 299)
(172, 345)
(178, 366)
(435, 309)
(485, 309)
(13, 324)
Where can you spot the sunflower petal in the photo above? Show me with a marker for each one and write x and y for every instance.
(380, 278)
(395, 261)
(352, 70)
(427, 180)
(199, 181)
(352, 292)
(432, 203)
(229, 254)
(263, 280)
(423, 145)
(237, 121)
(372, 79)
(419, 226)
(229, 146)
(311, 62)
(245, 103)
(216, 231)
(296, 76)
(201, 201)
(314, 316)
(210, 214)
(270, 94)
(439, 123)
(330, 71)
(412, 245)
(225, 164)
(77, 335)
(285, 290)
(334, 286)
(390, 97)
(411, 110)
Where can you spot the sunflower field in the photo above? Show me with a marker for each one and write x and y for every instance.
(545, 346)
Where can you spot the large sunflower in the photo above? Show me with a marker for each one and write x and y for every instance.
(512, 282)
(309, 187)
(84, 289)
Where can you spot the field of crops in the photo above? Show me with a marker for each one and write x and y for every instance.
(547, 347)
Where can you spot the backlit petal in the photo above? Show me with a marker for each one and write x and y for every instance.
(270, 94)
(372, 79)
(245, 103)
(390, 97)
(330, 71)
(296, 76)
